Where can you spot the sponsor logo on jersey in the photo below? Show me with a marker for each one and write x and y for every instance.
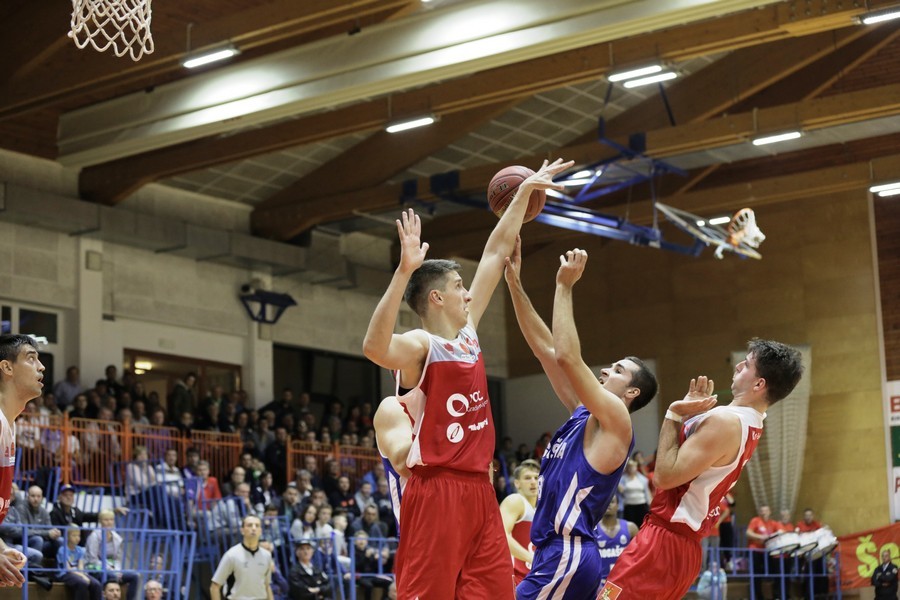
(455, 433)
(478, 426)
(611, 552)
(610, 591)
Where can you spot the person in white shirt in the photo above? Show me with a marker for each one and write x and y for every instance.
(249, 563)
(635, 490)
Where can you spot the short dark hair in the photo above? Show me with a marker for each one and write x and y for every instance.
(779, 364)
(11, 344)
(643, 380)
(432, 273)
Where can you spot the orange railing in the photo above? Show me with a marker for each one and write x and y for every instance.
(83, 449)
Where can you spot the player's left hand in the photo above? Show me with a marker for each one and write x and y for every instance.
(543, 177)
(571, 267)
(15, 557)
(513, 269)
(700, 398)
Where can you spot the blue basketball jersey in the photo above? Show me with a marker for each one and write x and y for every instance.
(395, 485)
(572, 496)
(611, 546)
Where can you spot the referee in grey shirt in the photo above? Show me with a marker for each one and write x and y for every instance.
(251, 566)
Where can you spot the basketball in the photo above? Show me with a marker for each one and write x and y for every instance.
(503, 187)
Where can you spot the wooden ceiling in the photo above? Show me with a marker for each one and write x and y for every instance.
(781, 66)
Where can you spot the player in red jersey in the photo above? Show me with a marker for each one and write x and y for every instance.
(21, 380)
(517, 511)
(453, 544)
(697, 461)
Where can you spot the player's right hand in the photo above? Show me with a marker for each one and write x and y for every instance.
(700, 398)
(513, 269)
(571, 267)
(543, 177)
(412, 250)
(10, 562)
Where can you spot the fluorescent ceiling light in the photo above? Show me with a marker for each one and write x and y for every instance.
(885, 187)
(701, 223)
(556, 194)
(197, 60)
(622, 76)
(583, 174)
(719, 220)
(781, 137)
(878, 16)
(411, 124)
(886, 193)
(143, 365)
(633, 83)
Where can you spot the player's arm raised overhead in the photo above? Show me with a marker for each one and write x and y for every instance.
(536, 332)
(715, 442)
(381, 345)
(503, 237)
(606, 407)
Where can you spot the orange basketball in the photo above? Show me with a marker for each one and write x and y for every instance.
(503, 187)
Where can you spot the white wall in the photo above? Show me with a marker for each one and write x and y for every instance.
(532, 408)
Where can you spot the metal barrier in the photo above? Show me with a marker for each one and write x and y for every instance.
(144, 554)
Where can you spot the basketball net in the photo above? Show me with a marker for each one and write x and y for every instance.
(122, 24)
(743, 230)
(776, 469)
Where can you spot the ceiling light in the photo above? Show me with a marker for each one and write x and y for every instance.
(196, 60)
(576, 182)
(409, 124)
(781, 137)
(143, 365)
(633, 83)
(701, 223)
(583, 174)
(886, 193)
(719, 220)
(885, 187)
(633, 73)
(878, 16)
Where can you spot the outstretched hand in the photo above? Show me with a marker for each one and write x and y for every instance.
(700, 398)
(412, 250)
(513, 269)
(10, 562)
(543, 178)
(571, 267)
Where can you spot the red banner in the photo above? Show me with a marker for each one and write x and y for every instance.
(861, 553)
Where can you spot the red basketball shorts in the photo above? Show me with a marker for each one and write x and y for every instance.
(452, 544)
(656, 564)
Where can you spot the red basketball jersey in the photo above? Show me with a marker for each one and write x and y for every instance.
(449, 407)
(522, 533)
(7, 463)
(693, 507)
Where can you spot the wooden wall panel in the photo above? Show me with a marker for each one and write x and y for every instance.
(887, 228)
(814, 286)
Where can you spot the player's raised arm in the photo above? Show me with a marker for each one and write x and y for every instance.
(381, 345)
(717, 439)
(536, 332)
(606, 407)
(503, 237)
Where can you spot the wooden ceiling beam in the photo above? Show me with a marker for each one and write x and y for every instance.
(284, 222)
(92, 73)
(31, 33)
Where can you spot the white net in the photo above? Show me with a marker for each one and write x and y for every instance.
(123, 25)
(743, 228)
(776, 468)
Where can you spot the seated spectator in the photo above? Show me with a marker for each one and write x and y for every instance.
(185, 424)
(364, 497)
(210, 419)
(192, 460)
(384, 502)
(374, 475)
(46, 539)
(271, 527)
(139, 413)
(372, 564)
(713, 583)
(104, 551)
(304, 483)
(339, 523)
(323, 522)
(305, 526)
(370, 523)
(263, 494)
(331, 477)
(237, 477)
(263, 434)
(67, 389)
(276, 457)
(101, 436)
(11, 533)
(78, 408)
(206, 489)
(344, 498)
(306, 581)
(70, 561)
(65, 514)
(168, 473)
(291, 506)
(280, 586)
(153, 590)
(311, 464)
(139, 477)
(112, 590)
